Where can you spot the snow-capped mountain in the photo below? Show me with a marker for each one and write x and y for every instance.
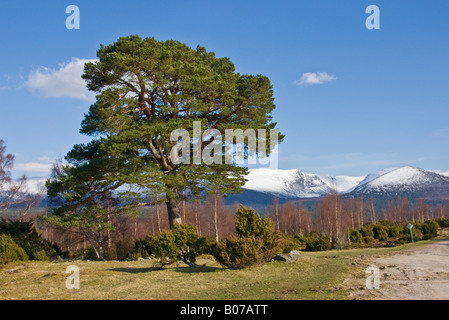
(286, 183)
(292, 184)
(342, 184)
(404, 181)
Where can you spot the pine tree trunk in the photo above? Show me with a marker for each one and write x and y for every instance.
(174, 214)
(158, 216)
(109, 233)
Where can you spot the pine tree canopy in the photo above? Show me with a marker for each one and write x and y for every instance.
(146, 89)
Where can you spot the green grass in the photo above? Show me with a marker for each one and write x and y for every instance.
(307, 278)
(317, 275)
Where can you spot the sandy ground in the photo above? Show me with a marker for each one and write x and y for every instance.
(422, 274)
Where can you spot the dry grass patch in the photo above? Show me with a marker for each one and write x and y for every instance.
(317, 275)
(144, 280)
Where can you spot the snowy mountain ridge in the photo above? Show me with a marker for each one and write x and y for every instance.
(404, 180)
(296, 184)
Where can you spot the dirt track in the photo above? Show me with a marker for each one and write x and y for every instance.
(422, 274)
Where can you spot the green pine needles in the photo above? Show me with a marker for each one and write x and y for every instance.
(146, 89)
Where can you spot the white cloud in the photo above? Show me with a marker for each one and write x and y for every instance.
(311, 78)
(65, 82)
(44, 158)
(33, 167)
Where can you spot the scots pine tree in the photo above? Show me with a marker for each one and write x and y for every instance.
(146, 89)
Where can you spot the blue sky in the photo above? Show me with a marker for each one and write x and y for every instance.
(383, 101)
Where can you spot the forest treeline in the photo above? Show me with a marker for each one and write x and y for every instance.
(337, 220)
(106, 228)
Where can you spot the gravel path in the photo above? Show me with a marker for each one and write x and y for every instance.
(422, 274)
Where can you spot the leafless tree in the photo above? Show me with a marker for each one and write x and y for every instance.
(14, 192)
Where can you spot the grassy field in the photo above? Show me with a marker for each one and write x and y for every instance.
(318, 275)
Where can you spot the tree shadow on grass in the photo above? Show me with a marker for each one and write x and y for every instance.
(186, 269)
(137, 270)
(197, 269)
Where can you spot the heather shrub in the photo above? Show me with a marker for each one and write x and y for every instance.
(40, 255)
(123, 248)
(403, 239)
(25, 236)
(318, 243)
(84, 254)
(142, 248)
(240, 252)
(256, 241)
(380, 233)
(164, 247)
(206, 245)
(368, 240)
(248, 223)
(443, 222)
(393, 231)
(10, 251)
(429, 229)
(289, 243)
(367, 231)
(180, 243)
(356, 238)
(385, 223)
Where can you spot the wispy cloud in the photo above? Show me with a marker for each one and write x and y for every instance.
(44, 158)
(33, 167)
(312, 78)
(10, 82)
(64, 82)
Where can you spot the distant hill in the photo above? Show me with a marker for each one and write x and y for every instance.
(406, 182)
(266, 184)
